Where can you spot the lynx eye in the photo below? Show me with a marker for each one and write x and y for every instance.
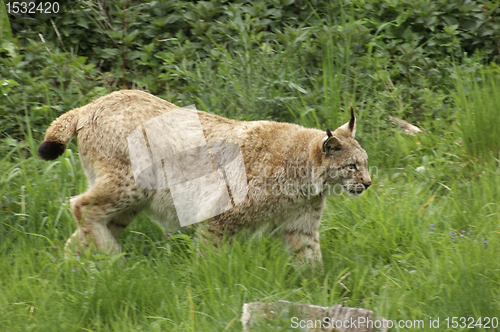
(352, 166)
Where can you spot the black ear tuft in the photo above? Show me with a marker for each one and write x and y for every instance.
(51, 150)
(353, 120)
(328, 133)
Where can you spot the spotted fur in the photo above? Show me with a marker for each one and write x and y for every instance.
(290, 171)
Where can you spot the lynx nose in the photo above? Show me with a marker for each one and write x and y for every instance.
(367, 184)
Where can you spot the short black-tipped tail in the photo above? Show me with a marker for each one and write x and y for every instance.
(58, 134)
(51, 150)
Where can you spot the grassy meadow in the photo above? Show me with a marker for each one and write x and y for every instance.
(422, 242)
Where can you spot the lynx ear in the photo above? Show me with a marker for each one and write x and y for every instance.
(348, 129)
(330, 143)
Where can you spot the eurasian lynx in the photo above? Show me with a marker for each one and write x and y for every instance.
(289, 171)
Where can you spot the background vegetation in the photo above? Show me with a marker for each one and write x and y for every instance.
(422, 242)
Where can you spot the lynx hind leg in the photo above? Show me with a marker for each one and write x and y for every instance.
(100, 218)
(92, 215)
(119, 222)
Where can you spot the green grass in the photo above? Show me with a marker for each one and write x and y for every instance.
(422, 242)
(380, 246)
(477, 99)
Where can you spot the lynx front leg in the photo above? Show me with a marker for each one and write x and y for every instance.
(301, 232)
(304, 246)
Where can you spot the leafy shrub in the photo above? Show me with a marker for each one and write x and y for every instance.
(440, 28)
(382, 56)
(42, 84)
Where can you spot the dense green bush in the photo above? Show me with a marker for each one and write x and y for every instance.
(42, 83)
(440, 28)
(382, 56)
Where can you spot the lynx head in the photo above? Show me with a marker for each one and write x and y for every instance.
(345, 160)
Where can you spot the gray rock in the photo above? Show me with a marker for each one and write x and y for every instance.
(308, 317)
